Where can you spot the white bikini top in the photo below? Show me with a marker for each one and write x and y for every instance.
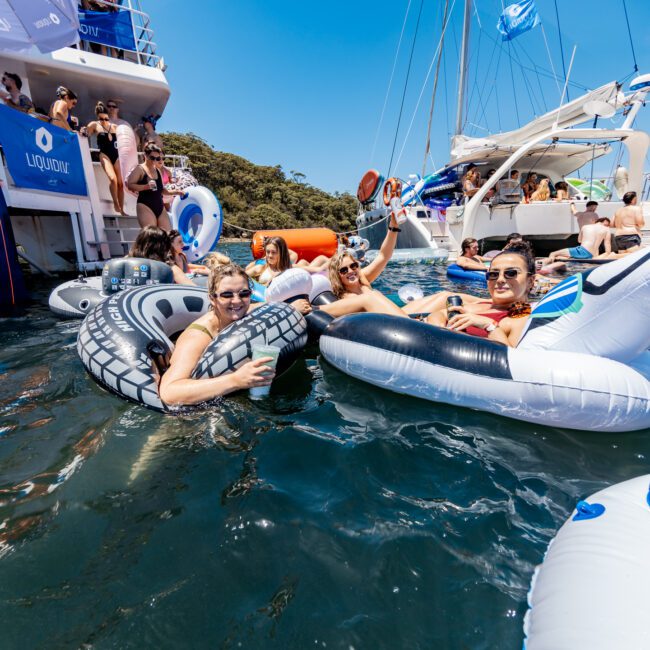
(266, 276)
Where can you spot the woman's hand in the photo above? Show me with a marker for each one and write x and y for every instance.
(392, 222)
(302, 306)
(254, 373)
(463, 320)
(83, 131)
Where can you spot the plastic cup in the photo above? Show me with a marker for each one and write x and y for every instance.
(152, 184)
(259, 351)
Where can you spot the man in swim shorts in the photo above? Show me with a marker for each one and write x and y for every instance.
(628, 222)
(591, 236)
(469, 259)
(589, 215)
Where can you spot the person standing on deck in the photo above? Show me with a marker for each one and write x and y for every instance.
(628, 222)
(589, 214)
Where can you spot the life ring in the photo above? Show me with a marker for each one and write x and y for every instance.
(591, 589)
(76, 298)
(124, 343)
(392, 189)
(459, 274)
(198, 218)
(550, 387)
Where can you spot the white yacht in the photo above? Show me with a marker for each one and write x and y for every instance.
(63, 232)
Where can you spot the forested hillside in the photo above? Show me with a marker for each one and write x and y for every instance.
(257, 197)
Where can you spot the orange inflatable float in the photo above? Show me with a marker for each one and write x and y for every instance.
(369, 186)
(307, 242)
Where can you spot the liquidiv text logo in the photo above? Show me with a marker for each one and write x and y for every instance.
(47, 21)
(45, 142)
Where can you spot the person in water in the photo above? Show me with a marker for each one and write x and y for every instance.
(230, 298)
(180, 259)
(502, 318)
(469, 259)
(108, 155)
(352, 285)
(153, 243)
(628, 222)
(146, 179)
(277, 260)
(591, 236)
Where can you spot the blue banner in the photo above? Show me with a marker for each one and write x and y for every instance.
(112, 28)
(517, 19)
(41, 156)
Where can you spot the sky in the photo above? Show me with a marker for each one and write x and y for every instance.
(304, 84)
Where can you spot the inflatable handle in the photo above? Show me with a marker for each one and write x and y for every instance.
(184, 195)
(587, 510)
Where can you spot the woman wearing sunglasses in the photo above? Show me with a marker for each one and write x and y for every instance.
(351, 284)
(108, 155)
(146, 180)
(510, 279)
(230, 297)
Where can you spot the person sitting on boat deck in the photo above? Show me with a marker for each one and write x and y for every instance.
(510, 280)
(60, 110)
(146, 180)
(588, 215)
(542, 192)
(153, 243)
(628, 222)
(529, 186)
(13, 97)
(277, 259)
(508, 190)
(113, 107)
(591, 236)
(561, 191)
(472, 182)
(230, 298)
(180, 259)
(469, 259)
(108, 156)
(352, 285)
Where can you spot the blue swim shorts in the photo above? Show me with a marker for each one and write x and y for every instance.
(580, 253)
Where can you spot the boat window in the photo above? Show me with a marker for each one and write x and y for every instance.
(421, 214)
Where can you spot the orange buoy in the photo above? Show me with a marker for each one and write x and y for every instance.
(307, 242)
(369, 186)
(392, 189)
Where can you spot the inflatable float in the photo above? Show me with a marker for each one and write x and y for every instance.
(591, 590)
(459, 274)
(125, 342)
(569, 370)
(369, 186)
(414, 256)
(76, 298)
(437, 191)
(127, 150)
(198, 218)
(308, 243)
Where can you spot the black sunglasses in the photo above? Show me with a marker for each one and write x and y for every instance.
(155, 158)
(111, 105)
(353, 267)
(229, 295)
(508, 274)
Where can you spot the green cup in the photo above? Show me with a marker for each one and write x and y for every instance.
(259, 351)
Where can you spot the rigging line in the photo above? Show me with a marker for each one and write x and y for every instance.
(427, 147)
(514, 92)
(496, 94)
(629, 33)
(559, 33)
(406, 81)
(526, 85)
(550, 60)
(468, 102)
(417, 105)
(390, 83)
(542, 103)
(482, 104)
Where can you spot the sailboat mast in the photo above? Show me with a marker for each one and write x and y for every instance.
(462, 76)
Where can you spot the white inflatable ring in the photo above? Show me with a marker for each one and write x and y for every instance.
(197, 201)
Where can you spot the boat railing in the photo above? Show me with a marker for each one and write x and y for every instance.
(145, 46)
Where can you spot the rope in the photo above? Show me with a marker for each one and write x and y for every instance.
(390, 83)
(548, 51)
(629, 33)
(408, 72)
(559, 33)
(514, 92)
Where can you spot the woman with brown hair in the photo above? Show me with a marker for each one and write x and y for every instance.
(278, 259)
(60, 109)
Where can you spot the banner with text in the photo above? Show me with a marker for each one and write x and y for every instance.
(41, 156)
(112, 28)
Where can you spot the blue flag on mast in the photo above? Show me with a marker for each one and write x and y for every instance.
(518, 18)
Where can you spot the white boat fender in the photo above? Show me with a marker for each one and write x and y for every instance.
(198, 218)
(554, 388)
(591, 591)
(603, 311)
(289, 286)
(125, 342)
(75, 298)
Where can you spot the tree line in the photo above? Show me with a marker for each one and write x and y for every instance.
(258, 197)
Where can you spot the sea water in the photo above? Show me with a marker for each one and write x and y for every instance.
(333, 514)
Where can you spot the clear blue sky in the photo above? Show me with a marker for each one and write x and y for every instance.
(302, 84)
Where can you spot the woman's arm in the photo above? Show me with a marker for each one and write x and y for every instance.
(372, 301)
(177, 388)
(179, 276)
(133, 181)
(374, 269)
(59, 116)
(254, 270)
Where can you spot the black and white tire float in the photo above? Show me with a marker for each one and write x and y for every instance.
(592, 589)
(592, 379)
(125, 342)
(76, 298)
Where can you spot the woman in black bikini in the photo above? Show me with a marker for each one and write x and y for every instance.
(146, 180)
(108, 156)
